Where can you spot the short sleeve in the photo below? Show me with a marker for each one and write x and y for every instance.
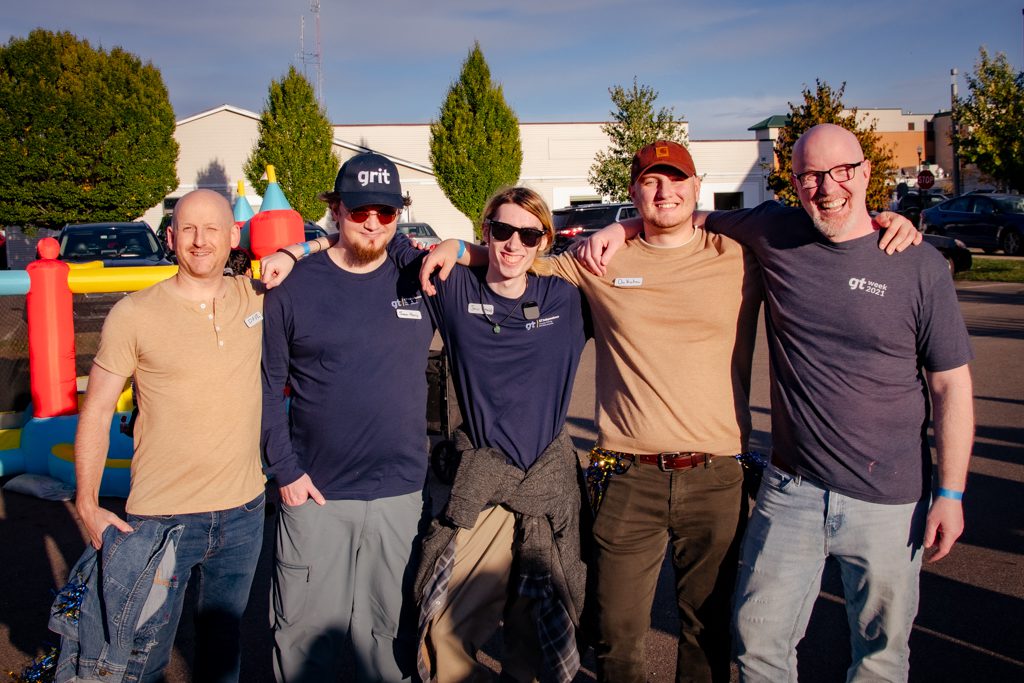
(118, 351)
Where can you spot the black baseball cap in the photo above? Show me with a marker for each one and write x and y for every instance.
(368, 179)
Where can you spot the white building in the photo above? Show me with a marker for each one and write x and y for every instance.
(556, 161)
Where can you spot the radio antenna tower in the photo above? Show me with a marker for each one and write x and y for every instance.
(316, 56)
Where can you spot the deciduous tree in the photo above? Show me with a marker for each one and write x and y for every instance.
(295, 138)
(634, 124)
(474, 144)
(991, 120)
(825, 105)
(85, 134)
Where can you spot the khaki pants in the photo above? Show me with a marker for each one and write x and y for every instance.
(478, 598)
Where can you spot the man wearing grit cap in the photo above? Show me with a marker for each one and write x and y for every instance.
(349, 334)
(674, 321)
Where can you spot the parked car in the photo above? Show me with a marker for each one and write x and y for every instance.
(421, 232)
(313, 231)
(116, 244)
(910, 204)
(161, 237)
(577, 222)
(958, 257)
(988, 221)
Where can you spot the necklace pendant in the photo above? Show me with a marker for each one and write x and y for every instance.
(496, 329)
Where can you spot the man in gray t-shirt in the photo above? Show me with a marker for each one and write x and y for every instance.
(853, 336)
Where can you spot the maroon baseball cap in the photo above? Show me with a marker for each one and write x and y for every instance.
(662, 153)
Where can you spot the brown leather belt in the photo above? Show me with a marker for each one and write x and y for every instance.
(670, 461)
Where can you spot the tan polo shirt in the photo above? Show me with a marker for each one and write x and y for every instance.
(674, 335)
(197, 383)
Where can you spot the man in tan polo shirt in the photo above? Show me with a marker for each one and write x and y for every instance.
(193, 344)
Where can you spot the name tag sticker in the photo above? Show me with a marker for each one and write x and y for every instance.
(253, 319)
(409, 313)
(628, 282)
(478, 309)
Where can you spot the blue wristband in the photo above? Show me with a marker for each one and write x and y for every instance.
(950, 493)
(305, 249)
(462, 249)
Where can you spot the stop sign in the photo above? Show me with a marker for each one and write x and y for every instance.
(925, 179)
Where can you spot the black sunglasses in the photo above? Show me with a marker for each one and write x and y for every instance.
(530, 237)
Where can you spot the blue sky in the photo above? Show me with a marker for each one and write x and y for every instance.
(722, 64)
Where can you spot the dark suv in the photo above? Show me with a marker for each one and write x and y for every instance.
(577, 222)
(910, 205)
(116, 244)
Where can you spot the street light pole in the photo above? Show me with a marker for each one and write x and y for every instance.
(920, 190)
(954, 131)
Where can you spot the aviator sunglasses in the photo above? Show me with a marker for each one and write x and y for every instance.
(384, 214)
(530, 237)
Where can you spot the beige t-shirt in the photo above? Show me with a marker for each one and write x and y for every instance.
(674, 332)
(197, 384)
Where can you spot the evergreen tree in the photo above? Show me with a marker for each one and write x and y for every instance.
(296, 138)
(85, 134)
(825, 105)
(474, 144)
(991, 121)
(634, 124)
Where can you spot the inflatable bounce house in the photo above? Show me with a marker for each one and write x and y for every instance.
(43, 444)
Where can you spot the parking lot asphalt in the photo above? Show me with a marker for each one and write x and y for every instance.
(971, 621)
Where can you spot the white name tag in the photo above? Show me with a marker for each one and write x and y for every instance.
(628, 282)
(409, 313)
(478, 309)
(253, 319)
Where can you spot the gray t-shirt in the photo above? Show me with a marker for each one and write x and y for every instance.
(850, 331)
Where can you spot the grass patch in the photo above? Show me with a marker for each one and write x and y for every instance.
(994, 270)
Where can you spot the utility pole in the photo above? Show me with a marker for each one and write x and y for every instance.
(316, 56)
(954, 131)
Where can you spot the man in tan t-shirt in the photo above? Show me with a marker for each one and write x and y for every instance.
(674, 323)
(192, 344)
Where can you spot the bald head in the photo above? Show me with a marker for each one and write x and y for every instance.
(830, 175)
(211, 204)
(823, 139)
(202, 234)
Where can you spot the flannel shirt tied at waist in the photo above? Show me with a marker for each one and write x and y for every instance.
(546, 502)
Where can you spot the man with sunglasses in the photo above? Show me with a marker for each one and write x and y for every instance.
(852, 338)
(349, 334)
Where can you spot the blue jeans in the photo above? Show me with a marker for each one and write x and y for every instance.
(223, 546)
(796, 525)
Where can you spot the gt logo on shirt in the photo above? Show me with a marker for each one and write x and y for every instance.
(876, 288)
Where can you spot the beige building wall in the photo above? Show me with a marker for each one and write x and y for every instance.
(556, 161)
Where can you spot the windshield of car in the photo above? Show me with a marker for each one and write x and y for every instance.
(108, 242)
(1010, 204)
(416, 230)
(587, 218)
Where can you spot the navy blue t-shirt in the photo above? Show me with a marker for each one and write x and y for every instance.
(850, 330)
(513, 387)
(354, 349)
